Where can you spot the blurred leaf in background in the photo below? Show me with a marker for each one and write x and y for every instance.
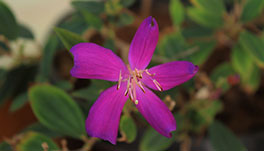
(223, 139)
(8, 25)
(128, 128)
(154, 141)
(34, 141)
(56, 110)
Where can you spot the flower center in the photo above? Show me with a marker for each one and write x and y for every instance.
(134, 79)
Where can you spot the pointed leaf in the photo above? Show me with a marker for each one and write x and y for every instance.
(176, 12)
(253, 45)
(129, 128)
(95, 7)
(223, 139)
(8, 24)
(56, 110)
(205, 18)
(25, 32)
(252, 9)
(68, 38)
(19, 102)
(153, 141)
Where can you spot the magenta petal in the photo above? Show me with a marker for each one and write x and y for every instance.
(170, 74)
(143, 44)
(155, 112)
(104, 115)
(95, 62)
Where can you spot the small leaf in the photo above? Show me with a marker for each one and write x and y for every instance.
(125, 19)
(37, 127)
(204, 18)
(95, 7)
(204, 50)
(254, 46)
(25, 32)
(129, 128)
(45, 68)
(223, 139)
(176, 12)
(242, 62)
(153, 141)
(92, 92)
(63, 84)
(69, 39)
(16, 81)
(8, 25)
(252, 9)
(92, 20)
(245, 66)
(19, 102)
(213, 6)
(222, 71)
(33, 141)
(220, 75)
(196, 31)
(56, 110)
(127, 3)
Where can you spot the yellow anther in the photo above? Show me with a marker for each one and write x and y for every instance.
(136, 102)
(157, 85)
(146, 70)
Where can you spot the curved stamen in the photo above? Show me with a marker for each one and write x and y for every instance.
(157, 85)
(119, 80)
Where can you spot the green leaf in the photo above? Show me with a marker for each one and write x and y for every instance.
(125, 19)
(69, 39)
(38, 127)
(204, 18)
(196, 31)
(153, 141)
(204, 50)
(95, 7)
(74, 23)
(129, 128)
(220, 75)
(223, 139)
(176, 12)
(172, 46)
(8, 25)
(33, 141)
(252, 9)
(19, 102)
(56, 110)
(16, 81)
(110, 44)
(127, 3)
(92, 20)
(213, 6)
(25, 32)
(5, 147)
(222, 71)
(92, 92)
(245, 66)
(254, 46)
(45, 68)
(63, 84)
(202, 112)
(242, 62)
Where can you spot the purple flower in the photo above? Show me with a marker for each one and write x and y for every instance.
(134, 80)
